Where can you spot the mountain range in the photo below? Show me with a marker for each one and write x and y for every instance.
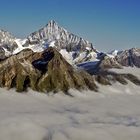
(53, 59)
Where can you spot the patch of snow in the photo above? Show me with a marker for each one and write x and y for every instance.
(34, 48)
(113, 53)
(22, 41)
(20, 47)
(67, 55)
(7, 53)
(52, 44)
(80, 57)
(87, 48)
(111, 56)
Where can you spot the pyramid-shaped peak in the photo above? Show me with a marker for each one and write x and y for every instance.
(53, 32)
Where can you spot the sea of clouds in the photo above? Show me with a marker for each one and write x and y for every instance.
(111, 114)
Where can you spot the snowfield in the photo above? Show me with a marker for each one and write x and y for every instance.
(111, 114)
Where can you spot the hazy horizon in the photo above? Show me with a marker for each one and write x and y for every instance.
(107, 24)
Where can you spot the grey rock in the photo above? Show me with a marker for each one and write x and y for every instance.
(129, 57)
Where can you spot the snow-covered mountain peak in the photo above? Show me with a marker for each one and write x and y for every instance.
(6, 38)
(56, 36)
(52, 35)
(53, 32)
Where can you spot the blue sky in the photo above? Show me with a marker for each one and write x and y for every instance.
(109, 24)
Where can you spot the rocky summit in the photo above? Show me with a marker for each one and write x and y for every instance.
(44, 72)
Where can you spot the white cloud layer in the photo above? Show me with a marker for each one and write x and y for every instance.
(111, 114)
(88, 116)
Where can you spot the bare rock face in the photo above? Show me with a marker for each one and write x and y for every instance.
(59, 75)
(129, 57)
(44, 72)
(17, 71)
(109, 62)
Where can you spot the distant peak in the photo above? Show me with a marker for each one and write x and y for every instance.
(6, 33)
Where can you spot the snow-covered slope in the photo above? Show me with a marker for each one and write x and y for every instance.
(20, 43)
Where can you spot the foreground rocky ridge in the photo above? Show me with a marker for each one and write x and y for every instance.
(43, 72)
